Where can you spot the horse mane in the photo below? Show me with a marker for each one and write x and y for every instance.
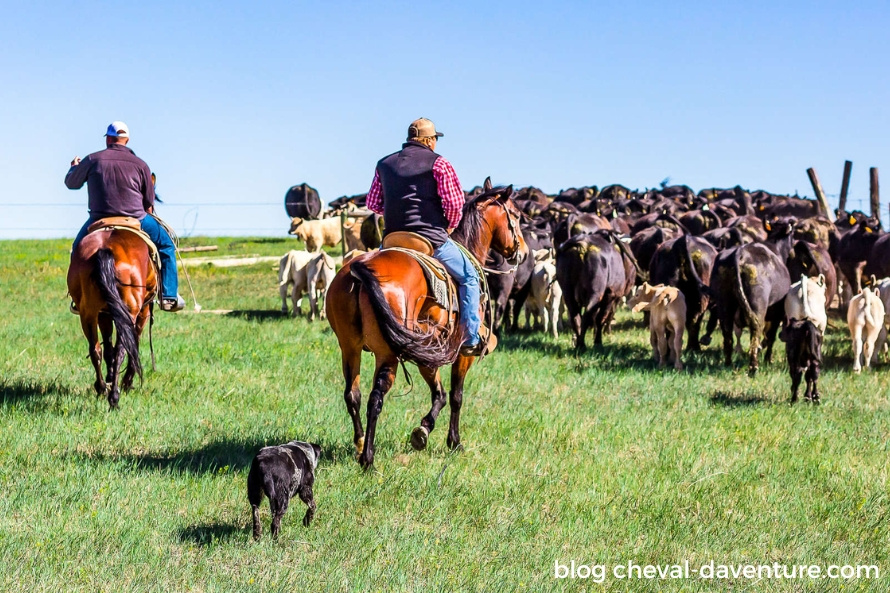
(469, 230)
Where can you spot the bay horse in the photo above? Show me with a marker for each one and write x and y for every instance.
(112, 283)
(380, 302)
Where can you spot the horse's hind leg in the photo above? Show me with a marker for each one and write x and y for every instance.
(106, 329)
(420, 434)
(91, 333)
(383, 380)
(456, 397)
(130, 372)
(352, 362)
(114, 395)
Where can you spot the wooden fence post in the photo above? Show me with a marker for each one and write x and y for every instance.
(343, 233)
(820, 195)
(873, 192)
(845, 186)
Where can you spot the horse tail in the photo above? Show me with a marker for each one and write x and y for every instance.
(423, 347)
(104, 275)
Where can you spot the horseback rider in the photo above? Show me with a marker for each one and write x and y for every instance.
(417, 190)
(119, 184)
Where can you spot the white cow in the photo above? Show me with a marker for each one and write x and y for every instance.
(865, 314)
(806, 300)
(320, 272)
(545, 296)
(292, 271)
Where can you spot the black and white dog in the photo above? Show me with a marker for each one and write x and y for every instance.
(280, 472)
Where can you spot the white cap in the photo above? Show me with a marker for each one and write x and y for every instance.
(118, 129)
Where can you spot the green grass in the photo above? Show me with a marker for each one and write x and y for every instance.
(599, 459)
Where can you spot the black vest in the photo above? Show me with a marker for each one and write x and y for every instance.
(411, 200)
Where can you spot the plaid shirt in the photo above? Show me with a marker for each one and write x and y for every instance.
(449, 190)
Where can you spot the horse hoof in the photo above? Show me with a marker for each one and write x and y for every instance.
(366, 463)
(419, 437)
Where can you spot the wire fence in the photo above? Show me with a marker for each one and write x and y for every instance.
(63, 219)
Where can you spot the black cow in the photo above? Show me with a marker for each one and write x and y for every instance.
(811, 260)
(371, 232)
(700, 221)
(577, 224)
(878, 262)
(778, 206)
(748, 225)
(302, 201)
(726, 238)
(594, 270)
(509, 286)
(750, 280)
(803, 345)
(686, 262)
(645, 243)
(854, 248)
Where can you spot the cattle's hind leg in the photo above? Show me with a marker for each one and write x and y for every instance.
(420, 434)
(754, 350)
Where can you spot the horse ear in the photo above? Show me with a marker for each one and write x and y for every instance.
(486, 185)
(507, 192)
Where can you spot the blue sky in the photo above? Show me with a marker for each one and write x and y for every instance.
(231, 103)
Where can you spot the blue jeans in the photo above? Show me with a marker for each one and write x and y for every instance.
(463, 272)
(166, 249)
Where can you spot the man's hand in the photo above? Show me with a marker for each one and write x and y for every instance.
(451, 230)
(75, 161)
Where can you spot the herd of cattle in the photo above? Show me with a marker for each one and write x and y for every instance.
(753, 260)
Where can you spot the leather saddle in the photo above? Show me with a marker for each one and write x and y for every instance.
(437, 278)
(127, 223)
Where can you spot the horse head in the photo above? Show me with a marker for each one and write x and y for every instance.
(502, 217)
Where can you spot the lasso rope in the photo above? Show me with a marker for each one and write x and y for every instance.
(175, 239)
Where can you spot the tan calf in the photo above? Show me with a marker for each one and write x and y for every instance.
(865, 316)
(316, 233)
(667, 320)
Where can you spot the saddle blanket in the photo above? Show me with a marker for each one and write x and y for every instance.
(437, 278)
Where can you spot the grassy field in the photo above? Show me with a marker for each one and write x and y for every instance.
(601, 459)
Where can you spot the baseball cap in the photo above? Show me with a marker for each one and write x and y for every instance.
(118, 129)
(423, 128)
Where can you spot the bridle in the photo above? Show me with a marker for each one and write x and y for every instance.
(513, 225)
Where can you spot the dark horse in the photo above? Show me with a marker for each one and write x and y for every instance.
(112, 282)
(380, 302)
